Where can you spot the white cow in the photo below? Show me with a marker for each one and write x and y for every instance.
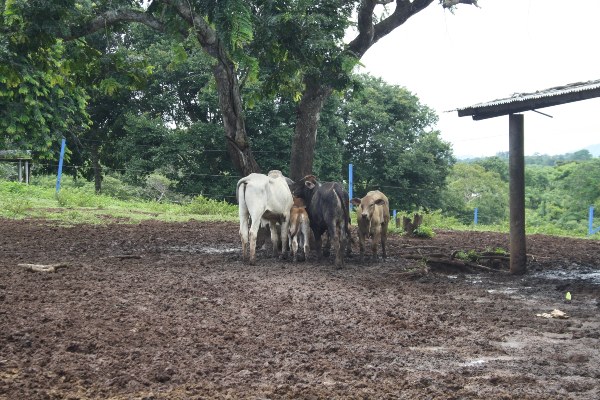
(264, 200)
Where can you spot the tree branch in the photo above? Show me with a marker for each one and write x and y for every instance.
(404, 10)
(206, 35)
(369, 33)
(112, 17)
(452, 3)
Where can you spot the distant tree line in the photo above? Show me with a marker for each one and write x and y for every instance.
(164, 120)
(543, 159)
(558, 189)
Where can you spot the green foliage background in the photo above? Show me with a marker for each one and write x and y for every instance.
(140, 111)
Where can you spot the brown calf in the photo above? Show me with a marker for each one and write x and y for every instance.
(299, 228)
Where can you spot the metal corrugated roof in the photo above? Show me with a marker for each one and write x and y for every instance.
(558, 90)
(520, 102)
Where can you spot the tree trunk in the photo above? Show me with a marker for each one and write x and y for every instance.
(230, 103)
(228, 87)
(305, 133)
(97, 168)
(315, 93)
(410, 226)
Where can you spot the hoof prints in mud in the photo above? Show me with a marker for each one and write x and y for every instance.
(187, 319)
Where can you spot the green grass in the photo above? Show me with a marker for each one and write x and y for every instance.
(78, 204)
(437, 221)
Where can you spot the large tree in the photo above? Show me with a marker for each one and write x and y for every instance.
(34, 31)
(224, 29)
(393, 146)
(318, 86)
(40, 98)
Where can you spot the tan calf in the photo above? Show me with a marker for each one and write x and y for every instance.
(373, 215)
(299, 228)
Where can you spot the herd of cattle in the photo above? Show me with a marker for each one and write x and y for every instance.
(295, 210)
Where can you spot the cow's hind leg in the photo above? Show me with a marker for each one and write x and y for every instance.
(335, 236)
(327, 247)
(343, 243)
(318, 244)
(383, 240)
(253, 235)
(285, 226)
(274, 238)
(294, 246)
(349, 242)
(304, 241)
(244, 236)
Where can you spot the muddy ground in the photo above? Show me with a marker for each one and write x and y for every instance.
(169, 311)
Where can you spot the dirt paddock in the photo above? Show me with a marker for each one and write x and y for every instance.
(169, 311)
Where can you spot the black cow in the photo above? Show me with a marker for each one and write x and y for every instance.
(327, 207)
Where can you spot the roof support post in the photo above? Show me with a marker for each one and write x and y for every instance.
(516, 166)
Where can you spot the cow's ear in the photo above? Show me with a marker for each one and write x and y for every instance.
(309, 184)
(355, 201)
(380, 202)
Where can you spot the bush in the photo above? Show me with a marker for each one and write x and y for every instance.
(441, 221)
(114, 187)
(157, 186)
(424, 232)
(203, 206)
(81, 198)
(8, 171)
(14, 209)
(470, 255)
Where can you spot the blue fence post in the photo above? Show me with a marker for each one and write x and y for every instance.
(475, 215)
(60, 164)
(350, 183)
(591, 229)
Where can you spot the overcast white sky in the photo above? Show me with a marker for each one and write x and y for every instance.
(482, 54)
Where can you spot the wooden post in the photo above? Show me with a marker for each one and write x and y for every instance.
(516, 166)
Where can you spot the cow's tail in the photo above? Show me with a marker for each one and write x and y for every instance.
(344, 198)
(345, 206)
(240, 193)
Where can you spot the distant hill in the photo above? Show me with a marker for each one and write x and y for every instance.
(544, 159)
(594, 149)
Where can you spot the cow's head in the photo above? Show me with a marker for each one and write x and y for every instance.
(305, 187)
(366, 206)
